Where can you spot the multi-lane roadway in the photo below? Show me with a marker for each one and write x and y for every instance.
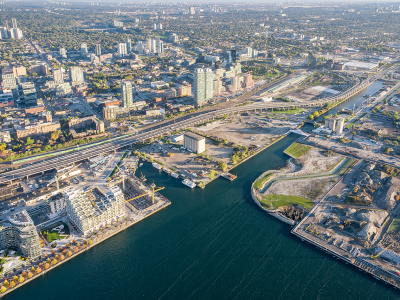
(166, 127)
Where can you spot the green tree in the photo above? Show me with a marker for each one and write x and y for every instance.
(224, 166)
(2, 147)
(212, 174)
(388, 150)
(29, 141)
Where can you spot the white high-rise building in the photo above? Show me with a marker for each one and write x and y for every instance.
(153, 48)
(148, 44)
(128, 45)
(84, 49)
(76, 75)
(248, 51)
(154, 26)
(209, 83)
(127, 96)
(160, 47)
(160, 26)
(203, 86)
(14, 23)
(122, 49)
(4, 33)
(63, 52)
(97, 50)
(16, 33)
(139, 47)
(58, 76)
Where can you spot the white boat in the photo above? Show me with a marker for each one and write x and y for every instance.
(166, 170)
(189, 183)
(156, 165)
(141, 164)
(174, 175)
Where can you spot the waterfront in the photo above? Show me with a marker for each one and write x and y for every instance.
(212, 243)
(357, 99)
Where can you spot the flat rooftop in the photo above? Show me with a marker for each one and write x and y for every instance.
(20, 217)
(194, 136)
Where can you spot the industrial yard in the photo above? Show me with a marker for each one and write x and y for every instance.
(255, 130)
(357, 220)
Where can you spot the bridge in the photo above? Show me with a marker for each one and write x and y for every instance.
(298, 131)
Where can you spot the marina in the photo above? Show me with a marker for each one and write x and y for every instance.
(189, 183)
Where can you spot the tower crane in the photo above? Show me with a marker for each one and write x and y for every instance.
(123, 177)
(377, 255)
(153, 186)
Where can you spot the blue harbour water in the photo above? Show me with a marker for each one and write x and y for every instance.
(211, 243)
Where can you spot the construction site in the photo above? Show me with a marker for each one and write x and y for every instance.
(358, 221)
(247, 130)
(140, 197)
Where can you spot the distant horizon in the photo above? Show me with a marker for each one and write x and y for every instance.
(296, 3)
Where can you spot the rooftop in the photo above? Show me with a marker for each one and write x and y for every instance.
(194, 136)
(20, 218)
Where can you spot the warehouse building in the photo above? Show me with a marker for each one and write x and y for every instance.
(194, 142)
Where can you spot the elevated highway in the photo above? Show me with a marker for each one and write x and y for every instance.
(48, 162)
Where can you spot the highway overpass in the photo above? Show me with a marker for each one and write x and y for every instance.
(113, 144)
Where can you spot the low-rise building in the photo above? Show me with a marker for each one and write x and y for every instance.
(5, 137)
(158, 84)
(88, 122)
(39, 69)
(63, 89)
(57, 203)
(114, 112)
(19, 71)
(6, 100)
(8, 79)
(36, 129)
(151, 112)
(185, 90)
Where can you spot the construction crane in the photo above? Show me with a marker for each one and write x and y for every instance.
(153, 186)
(376, 256)
(123, 177)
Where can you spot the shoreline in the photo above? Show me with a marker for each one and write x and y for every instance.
(375, 270)
(83, 249)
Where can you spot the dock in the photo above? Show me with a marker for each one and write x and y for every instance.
(228, 176)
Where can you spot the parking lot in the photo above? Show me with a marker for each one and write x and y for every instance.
(182, 161)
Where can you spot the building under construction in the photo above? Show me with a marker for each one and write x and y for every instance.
(133, 190)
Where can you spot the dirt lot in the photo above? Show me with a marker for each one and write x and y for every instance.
(310, 189)
(217, 152)
(246, 130)
(311, 93)
(314, 161)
